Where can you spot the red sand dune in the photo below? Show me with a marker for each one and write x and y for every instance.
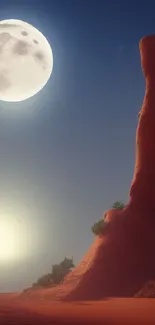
(122, 259)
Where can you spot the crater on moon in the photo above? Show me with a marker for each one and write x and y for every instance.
(4, 37)
(35, 41)
(39, 55)
(21, 48)
(24, 33)
(8, 25)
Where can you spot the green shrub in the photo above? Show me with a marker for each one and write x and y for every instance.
(118, 205)
(98, 227)
(57, 275)
(45, 280)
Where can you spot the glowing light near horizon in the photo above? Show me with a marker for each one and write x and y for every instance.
(10, 248)
(9, 245)
(18, 238)
(26, 60)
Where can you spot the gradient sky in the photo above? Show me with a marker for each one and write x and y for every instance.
(68, 153)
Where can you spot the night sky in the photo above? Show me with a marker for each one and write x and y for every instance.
(68, 153)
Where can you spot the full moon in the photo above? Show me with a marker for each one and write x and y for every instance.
(26, 60)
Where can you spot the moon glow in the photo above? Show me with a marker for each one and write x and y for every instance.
(26, 60)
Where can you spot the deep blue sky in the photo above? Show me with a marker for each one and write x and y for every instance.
(72, 155)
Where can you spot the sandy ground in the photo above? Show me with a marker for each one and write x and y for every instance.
(107, 312)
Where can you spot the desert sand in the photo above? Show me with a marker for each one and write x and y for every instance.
(107, 312)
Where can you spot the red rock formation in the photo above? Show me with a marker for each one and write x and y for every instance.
(122, 259)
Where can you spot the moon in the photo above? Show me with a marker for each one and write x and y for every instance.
(26, 60)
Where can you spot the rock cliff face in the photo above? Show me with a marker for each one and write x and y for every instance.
(122, 259)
